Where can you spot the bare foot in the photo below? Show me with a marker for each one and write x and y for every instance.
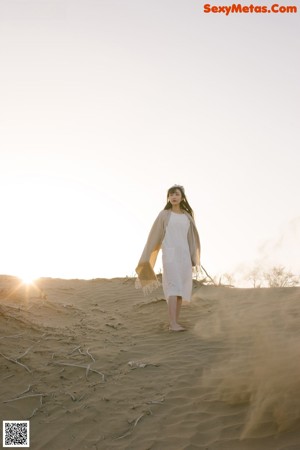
(176, 328)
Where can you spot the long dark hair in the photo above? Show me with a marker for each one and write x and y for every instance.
(184, 204)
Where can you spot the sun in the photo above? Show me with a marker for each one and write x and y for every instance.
(28, 279)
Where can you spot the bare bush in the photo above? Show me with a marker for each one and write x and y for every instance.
(255, 276)
(229, 279)
(279, 277)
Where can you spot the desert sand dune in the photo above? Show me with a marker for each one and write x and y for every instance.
(93, 366)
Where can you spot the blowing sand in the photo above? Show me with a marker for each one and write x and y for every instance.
(93, 366)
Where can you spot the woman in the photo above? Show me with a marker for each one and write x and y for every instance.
(174, 231)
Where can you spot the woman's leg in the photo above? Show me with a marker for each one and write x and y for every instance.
(173, 304)
(179, 303)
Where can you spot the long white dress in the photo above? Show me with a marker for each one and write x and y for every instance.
(176, 258)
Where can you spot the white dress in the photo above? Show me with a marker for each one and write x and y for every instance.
(176, 258)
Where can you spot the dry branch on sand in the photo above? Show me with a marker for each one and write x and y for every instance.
(82, 366)
(14, 336)
(130, 431)
(21, 397)
(15, 361)
(140, 364)
(24, 396)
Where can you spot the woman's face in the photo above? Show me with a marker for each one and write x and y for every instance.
(175, 198)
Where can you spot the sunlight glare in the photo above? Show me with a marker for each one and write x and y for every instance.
(28, 279)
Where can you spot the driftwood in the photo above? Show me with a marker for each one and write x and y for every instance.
(16, 360)
(130, 431)
(82, 366)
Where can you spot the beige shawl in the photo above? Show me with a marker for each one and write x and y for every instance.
(146, 277)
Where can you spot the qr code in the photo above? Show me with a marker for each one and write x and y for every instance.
(15, 433)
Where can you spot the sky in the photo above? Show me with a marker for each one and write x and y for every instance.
(106, 104)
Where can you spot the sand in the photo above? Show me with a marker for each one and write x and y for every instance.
(92, 365)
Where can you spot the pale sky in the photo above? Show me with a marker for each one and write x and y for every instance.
(105, 104)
